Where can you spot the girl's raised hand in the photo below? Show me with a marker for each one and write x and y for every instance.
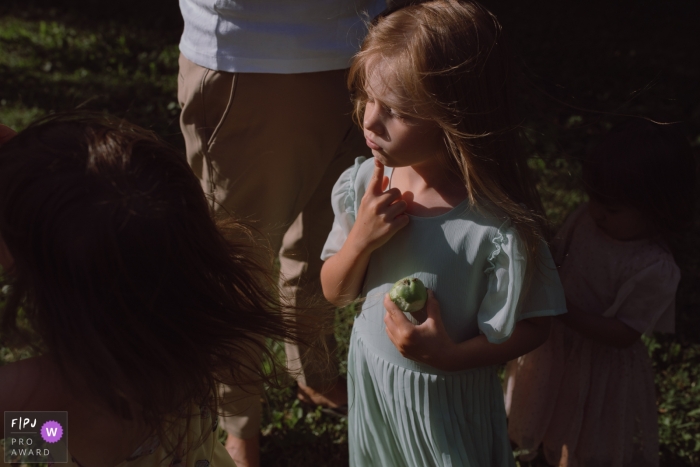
(426, 343)
(381, 213)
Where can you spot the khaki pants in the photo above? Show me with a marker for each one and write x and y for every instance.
(268, 148)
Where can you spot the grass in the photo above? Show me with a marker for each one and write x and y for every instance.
(295, 434)
(586, 65)
(53, 59)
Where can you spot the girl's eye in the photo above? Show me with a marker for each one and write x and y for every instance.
(393, 112)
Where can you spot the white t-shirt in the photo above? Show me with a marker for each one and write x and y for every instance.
(274, 36)
(634, 281)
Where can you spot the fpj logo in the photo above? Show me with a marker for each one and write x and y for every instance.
(32, 437)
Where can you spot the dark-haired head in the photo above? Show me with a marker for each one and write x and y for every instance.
(121, 270)
(646, 166)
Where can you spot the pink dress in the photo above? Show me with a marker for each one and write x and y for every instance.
(589, 404)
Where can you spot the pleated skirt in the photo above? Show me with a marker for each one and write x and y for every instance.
(586, 403)
(402, 417)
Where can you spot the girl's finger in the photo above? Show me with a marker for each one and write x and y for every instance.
(377, 180)
(385, 183)
(432, 307)
(397, 208)
(389, 325)
(390, 306)
(400, 221)
(390, 196)
(394, 313)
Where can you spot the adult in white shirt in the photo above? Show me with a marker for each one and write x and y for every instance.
(267, 124)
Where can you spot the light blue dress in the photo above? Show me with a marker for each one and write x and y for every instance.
(405, 413)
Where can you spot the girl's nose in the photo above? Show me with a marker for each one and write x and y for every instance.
(372, 119)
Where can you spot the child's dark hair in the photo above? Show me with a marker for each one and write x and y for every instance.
(120, 269)
(647, 166)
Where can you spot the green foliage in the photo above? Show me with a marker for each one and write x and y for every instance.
(677, 375)
(51, 61)
(290, 428)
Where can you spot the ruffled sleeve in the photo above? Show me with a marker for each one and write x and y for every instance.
(504, 303)
(344, 202)
(646, 301)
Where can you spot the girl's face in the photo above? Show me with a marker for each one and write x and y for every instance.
(621, 222)
(396, 140)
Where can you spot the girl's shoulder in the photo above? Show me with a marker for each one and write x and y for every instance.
(581, 239)
(494, 223)
(655, 255)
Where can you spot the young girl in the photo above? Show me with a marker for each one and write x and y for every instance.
(140, 303)
(456, 208)
(587, 395)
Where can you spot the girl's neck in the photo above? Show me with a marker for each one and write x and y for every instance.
(429, 189)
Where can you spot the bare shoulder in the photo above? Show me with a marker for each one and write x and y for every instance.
(98, 436)
(32, 384)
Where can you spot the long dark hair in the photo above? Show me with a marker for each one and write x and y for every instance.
(123, 273)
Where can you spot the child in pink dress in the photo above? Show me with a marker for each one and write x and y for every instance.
(587, 395)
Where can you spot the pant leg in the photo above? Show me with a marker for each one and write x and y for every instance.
(205, 97)
(262, 144)
(300, 261)
(263, 154)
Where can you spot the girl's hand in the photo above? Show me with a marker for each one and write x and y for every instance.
(381, 213)
(429, 342)
(426, 343)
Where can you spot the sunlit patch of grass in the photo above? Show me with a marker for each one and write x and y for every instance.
(53, 65)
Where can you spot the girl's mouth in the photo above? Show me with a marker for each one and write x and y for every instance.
(371, 145)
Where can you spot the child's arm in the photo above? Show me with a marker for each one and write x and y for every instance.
(610, 331)
(429, 342)
(380, 216)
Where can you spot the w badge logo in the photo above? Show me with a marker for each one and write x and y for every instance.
(51, 431)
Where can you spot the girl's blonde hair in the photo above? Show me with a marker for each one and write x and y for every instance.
(453, 68)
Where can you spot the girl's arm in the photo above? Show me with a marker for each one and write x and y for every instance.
(380, 216)
(342, 274)
(429, 342)
(610, 331)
